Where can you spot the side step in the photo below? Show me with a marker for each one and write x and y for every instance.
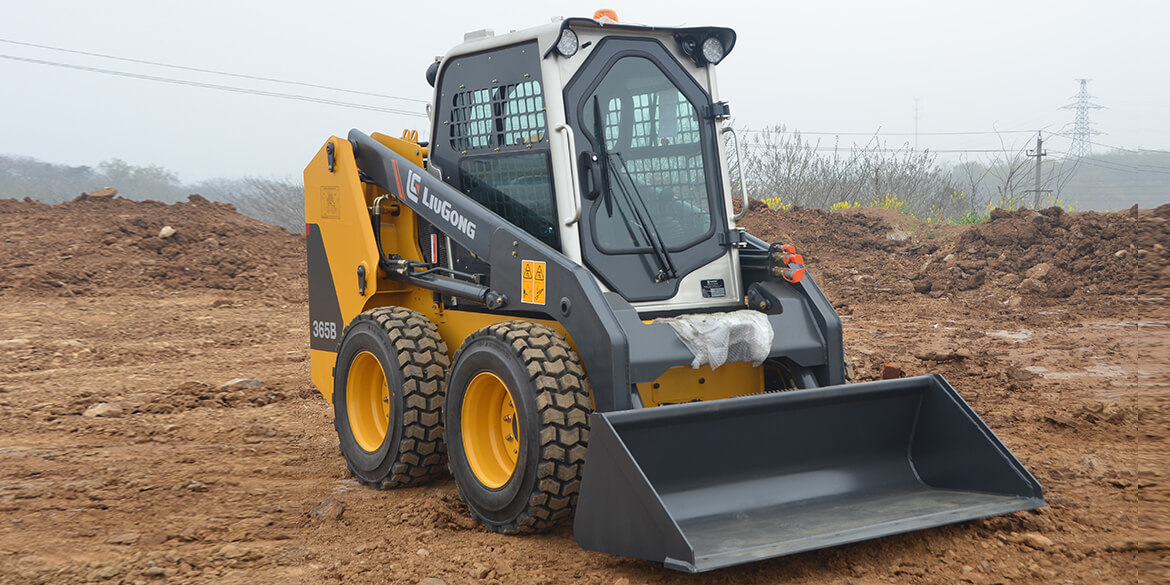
(707, 485)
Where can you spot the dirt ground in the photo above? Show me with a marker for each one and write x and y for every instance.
(125, 459)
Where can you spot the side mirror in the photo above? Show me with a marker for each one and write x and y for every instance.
(589, 167)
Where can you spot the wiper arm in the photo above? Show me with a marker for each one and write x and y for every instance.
(666, 270)
(599, 133)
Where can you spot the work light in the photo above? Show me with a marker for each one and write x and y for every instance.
(567, 45)
(712, 50)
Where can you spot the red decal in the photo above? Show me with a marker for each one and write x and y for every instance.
(398, 179)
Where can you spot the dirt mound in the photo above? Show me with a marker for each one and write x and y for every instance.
(95, 244)
(1056, 254)
(868, 254)
(830, 234)
(853, 254)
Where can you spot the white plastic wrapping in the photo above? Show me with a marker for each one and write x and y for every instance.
(719, 338)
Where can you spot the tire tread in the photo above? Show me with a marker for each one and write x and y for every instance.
(422, 358)
(564, 404)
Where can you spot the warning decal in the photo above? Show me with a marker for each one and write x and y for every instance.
(331, 202)
(532, 282)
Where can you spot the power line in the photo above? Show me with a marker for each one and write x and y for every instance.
(1138, 151)
(880, 133)
(839, 149)
(1110, 165)
(214, 72)
(1086, 161)
(1138, 167)
(233, 89)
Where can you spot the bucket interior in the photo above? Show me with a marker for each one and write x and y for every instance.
(764, 476)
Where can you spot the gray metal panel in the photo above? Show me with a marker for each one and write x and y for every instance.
(636, 524)
(796, 337)
(753, 262)
(658, 348)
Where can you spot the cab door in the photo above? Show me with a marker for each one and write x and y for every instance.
(650, 157)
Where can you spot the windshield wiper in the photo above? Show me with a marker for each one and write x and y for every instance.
(599, 132)
(643, 217)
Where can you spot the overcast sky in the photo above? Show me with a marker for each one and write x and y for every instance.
(820, 67)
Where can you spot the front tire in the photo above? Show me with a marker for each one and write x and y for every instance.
(387, 398)
(517, 420)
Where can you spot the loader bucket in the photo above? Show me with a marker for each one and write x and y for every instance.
(706, 485)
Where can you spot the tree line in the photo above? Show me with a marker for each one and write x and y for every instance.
(780, 167)
(784, 168)
(277, 201)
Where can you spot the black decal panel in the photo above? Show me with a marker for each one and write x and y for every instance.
(325, 324)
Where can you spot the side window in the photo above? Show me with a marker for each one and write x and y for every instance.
(491, 140)
(517, 187)
(501, 135)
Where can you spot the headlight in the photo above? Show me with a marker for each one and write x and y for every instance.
(567, 45)
(712, 50)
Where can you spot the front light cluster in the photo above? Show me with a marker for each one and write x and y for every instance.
(710, 50)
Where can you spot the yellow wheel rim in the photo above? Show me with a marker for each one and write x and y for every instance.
(367, 401)
(491, 435)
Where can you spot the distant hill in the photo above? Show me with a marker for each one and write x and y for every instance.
(1118, 180)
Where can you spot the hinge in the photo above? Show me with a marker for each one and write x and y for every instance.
(735, 237)
(717, 111)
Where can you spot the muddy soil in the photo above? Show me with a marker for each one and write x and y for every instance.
(124, 457)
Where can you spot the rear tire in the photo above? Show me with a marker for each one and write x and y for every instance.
(517, 418)
(387, 398)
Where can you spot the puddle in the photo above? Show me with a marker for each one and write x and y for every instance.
(1106, 371)
(1013, 336)
(1136, 324)
(1100, 371)
(346, 485)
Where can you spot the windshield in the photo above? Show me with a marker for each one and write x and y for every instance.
(652, 137)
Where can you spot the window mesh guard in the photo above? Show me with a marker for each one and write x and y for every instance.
(511, 115)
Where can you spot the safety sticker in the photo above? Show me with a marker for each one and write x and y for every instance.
(330, 203)
(532, 282)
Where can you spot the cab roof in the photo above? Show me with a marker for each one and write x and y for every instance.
(546, 35)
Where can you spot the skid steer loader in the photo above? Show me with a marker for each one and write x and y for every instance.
(550, 299)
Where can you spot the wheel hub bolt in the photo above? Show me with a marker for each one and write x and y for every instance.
(507, 418)
(509, 438)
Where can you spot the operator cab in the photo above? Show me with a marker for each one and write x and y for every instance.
(604, 141)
